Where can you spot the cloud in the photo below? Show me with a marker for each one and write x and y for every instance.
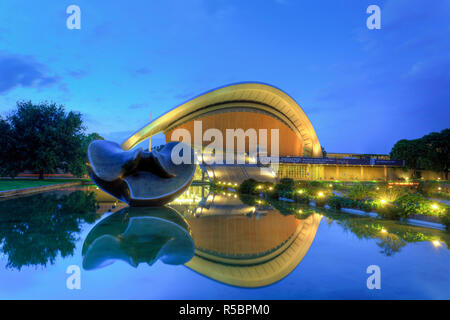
(23, 71)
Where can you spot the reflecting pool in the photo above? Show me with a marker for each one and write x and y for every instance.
(210, 245)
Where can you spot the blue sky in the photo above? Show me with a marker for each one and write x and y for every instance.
(362, 89)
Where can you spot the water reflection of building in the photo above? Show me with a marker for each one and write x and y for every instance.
(237, 245)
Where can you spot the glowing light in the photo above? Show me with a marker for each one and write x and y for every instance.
(383, 230)
(300, 191)
(439, 188)
(270, 188)
(320, 194)
(300, 211)
(259, 187)
(383, 201)
(330, 185)
(434, 207)
(436, 243)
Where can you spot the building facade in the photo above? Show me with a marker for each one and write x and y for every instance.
(257, 106)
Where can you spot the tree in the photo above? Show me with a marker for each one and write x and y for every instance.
(430, 152)
(44, 138)
(7, 153)
(324, 152)
(438, 156)
(78, 164)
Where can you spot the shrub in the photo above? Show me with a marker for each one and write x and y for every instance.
(445, 219)
(248, 187)
(321, 201)
(361, 191)
(390, 211)
(427, 188)
(418, 204)
(390, 194)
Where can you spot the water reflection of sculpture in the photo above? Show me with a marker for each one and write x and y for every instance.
(34, 230)
(137, 235)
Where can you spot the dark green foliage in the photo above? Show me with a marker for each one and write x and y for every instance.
(43, 138)
(417, 204)
(431, 152)
(337, 203)
(35, 230)
(249, 187)
(445, 219)
(390, 211)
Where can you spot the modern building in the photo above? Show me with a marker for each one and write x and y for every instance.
(260, 106)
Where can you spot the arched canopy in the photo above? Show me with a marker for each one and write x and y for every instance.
(257, 96)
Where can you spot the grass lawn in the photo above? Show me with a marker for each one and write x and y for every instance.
(12, 184)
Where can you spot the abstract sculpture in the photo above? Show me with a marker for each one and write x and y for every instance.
(138, 177)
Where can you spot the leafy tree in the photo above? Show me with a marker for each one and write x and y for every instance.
(8, 157)
(43, 138)
(78, 164)
(438, 156)
(431, 152)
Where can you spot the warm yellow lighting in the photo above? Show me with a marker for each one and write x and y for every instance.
(270, 188)
(300, 191)
(330, 185)
(320, 194)
(383, 201)
(436, 243)
(383, 230)
(434, 207)
(439, 188)
(259, 187)
(300, 211)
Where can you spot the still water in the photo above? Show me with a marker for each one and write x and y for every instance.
(210, 245)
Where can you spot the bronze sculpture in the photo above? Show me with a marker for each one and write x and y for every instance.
(138, 177)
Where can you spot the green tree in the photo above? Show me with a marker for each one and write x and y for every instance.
(79, 161)
(8, 156)
(43, 138)
(430, 152)
(438, 156)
